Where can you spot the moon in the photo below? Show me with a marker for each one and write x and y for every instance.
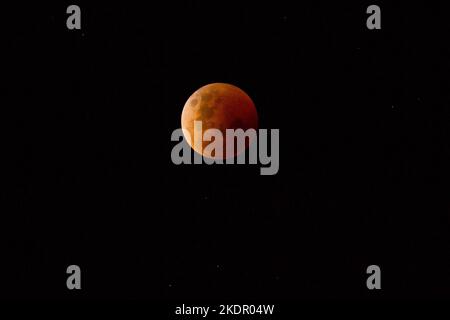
(219, 106)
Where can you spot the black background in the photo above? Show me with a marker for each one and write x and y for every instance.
(364, 126)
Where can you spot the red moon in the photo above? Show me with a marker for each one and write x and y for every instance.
(219, 106)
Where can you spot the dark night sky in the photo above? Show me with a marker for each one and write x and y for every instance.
(364, 175)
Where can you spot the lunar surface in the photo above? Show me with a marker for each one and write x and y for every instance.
(219, 106)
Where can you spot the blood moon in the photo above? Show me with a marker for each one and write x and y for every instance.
(218, 106)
